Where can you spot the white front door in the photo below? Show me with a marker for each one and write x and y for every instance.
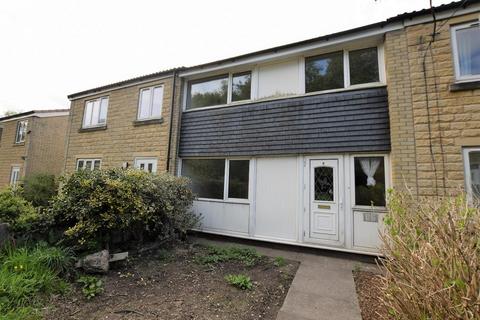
(325, 201)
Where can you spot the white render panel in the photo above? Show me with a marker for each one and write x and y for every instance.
(277, 198)
(367, 225)
(223, 216)
(279, 79)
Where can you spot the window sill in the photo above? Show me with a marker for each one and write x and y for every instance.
(89, 129)
(231, 201)
(144, 122)
(465, 85)
(19, 144)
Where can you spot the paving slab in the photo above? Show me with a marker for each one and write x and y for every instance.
(323, 287)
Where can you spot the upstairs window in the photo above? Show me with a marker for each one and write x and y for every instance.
(466, 51)
(150, 103)
(219, 90)
(341, 69)
(95, 112)
(21, 131)
(89, 164)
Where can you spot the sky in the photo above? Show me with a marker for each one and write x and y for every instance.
(52, 48)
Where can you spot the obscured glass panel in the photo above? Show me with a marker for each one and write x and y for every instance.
(95, 112)
(207, 176)
(363, 66)
(324, 184)
(208, 93)
(324, 72)
(157, 102)
(144, 104)
(369, 181)
(238, 179)
(103, 111)
(87, 118)
(241, 86)
(468, 44)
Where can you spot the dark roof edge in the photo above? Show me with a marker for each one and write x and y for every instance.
(32, 112)
(124, 83)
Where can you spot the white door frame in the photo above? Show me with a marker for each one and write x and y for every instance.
(341, 200)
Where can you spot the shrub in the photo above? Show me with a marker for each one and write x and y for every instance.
(432, 258)
(91, 286)
(94, 204)
(216, 254)
(13, 206)
(39, 189)
(240, 281)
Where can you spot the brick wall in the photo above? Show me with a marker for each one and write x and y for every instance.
(122, 141)
(429, 123)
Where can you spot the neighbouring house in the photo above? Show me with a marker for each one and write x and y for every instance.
(32, 142)
(125, 124)
(298, 144)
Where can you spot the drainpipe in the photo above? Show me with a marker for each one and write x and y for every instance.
(171, 120)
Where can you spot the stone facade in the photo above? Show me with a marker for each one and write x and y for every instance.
(123, 139)
(430, 124)
(43, 150)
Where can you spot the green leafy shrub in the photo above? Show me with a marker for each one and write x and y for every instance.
(239, 281)
(215, 254)
(13, 206)
(280, 262)
(94, 204)
(39, 189)
(91, 286)
(27, 275)
(432, 258)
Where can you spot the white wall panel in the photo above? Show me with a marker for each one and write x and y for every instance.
(223, 216)
(278, 80)
(276, 198)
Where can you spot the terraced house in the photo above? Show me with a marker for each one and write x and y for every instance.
(298, 144)
(32, 142)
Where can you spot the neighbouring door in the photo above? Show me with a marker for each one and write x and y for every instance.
(325, 201)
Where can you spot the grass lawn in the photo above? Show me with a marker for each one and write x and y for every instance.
(191, 282)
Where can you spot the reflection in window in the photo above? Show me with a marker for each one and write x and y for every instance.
(363, 66)
(468, 50)
(208, 92)
(241, 86)
(474, 166)
(21, 131)
(238, 179)
(369, 181)
(207, 176)
(324, 72)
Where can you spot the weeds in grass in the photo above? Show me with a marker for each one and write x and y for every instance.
(165, 255)
(215, 255)
(240, 281)
(91, 286)
(280, 262)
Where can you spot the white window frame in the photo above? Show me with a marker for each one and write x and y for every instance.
(92, 166)
(152, 88)
(456, 61)
(187, 95)
(226, 180)
(98, 124)
(386, 165)
(21, 125)
(466, 170)
(146, 160)
(14, 176)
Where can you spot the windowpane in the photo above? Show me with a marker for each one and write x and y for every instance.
(238, 179)
(241, 86)
(324, 72)
(80, 164)
(103, 111)
(370, 181)
(474, 159)
(157, 102)
(145, 104)
(468, 45)
(363, 66)
(88, 164)
(324, 184)
(21, 131)
(207, 175)
(87, 118)
(208, 93)
(95, 112)
(96, 164)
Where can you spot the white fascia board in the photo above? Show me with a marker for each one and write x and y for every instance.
(443, 15)
(297, 50)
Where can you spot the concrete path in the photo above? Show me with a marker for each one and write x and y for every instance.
(323, 287)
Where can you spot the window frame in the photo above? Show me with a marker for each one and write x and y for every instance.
(138, 160)
(466, 171)
(14, 182)
(17, 131)
(103, 124)
(456, 60)
(229, 76)
(346, 70)
(386, 166)
(226, 177)
(152, 88)
(89, 159)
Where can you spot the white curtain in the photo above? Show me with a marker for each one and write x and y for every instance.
(369, 167)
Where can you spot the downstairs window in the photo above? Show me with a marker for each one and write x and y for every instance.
(369, 181)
